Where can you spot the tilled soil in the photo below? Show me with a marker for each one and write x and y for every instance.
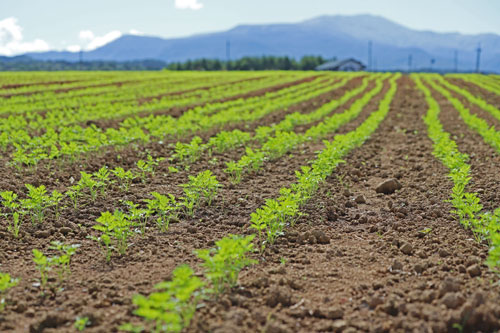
(487, 95)
(362, 261)
(356, 261)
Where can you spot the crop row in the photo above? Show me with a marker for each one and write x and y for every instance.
(489, 133)
(173, 304)
(470, 97)
(285, 139)
(138, 93)
(467, 205)
(482, 81)
(189, 153)
(270, 220)
(75, 140)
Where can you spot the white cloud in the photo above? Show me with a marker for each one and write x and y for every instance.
(12, 41)
(188, 4)
(74, 48)
(92, 42)
(136, 32)
(86, 35)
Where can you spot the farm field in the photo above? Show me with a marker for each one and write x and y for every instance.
(249, 202)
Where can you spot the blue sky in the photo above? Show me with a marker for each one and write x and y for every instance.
(38, 25)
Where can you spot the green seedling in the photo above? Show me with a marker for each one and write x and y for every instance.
(38, 201)
(140, 215)
(81, 323)
(63, 261)
(235, 171)
(55, 200)
(10, 203)
(426, 231)
(165, 206)
(223, 264)
(148, 167)
(172, 169)
(188, 153)
(283, 261)
(6, 282)
(203, 187)
(116, 230)
(171, 308)
(43, 265)
(87, 183)
(125, 177)
(103, 180)
(74, 193)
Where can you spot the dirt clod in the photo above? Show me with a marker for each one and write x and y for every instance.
(388, 186)
(453, 300)
(474, 270)
(279, 295)
(407, 248)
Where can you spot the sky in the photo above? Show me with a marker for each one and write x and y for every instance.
(41, 25)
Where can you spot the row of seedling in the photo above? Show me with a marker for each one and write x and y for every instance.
(116, 228)
(283, 142)
(270, 220)
(171, 308)
(39, 201)
(466, 205)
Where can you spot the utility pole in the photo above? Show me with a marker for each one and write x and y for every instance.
(478, 57)
(370, 56)
(228, 51)
(410, 60)
(80, 59)
(455, 60)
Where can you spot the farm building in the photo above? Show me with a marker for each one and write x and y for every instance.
(346, 65)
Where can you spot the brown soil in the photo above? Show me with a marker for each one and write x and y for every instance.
(345, 266)
(150, 98)
(487, 95)
(21, 85)
(178, 111)
(484, 160)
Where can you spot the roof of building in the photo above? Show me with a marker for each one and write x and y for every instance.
(337, 64)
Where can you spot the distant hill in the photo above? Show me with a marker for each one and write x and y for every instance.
(328, 36)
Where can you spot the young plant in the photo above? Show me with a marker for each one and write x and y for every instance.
(188, 153)
(171, 308)
(234, 169)
(6, 282)
(55, 201)
(103, 181)
(37, 202)
(74, 193)
(43, 265)
(148, 167)
(165, 207)
(116, 230)
(125, 177)
(140, 215)
(12, 206)
(63, 261)
(87, 183)
(223, 264)
(202, 187)
(81, 323)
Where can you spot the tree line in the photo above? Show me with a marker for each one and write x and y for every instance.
(249, 64)
(24, 63)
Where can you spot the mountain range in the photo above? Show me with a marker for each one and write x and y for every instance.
(329, 36)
